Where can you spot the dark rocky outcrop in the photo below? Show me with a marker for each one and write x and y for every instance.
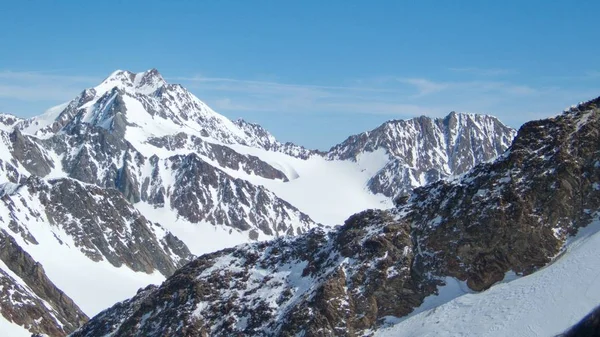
(29, 154)
(203, 193)
(223, 155)
(589, 326)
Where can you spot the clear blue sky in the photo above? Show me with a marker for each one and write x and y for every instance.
(312, 72)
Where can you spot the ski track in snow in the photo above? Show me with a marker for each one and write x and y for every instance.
(544, 303)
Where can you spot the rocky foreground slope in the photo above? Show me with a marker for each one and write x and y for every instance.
(513, 214)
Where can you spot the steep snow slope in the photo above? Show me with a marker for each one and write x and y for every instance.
(545, 303)
(89, 253)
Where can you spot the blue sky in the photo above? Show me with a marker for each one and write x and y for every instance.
(312, 72)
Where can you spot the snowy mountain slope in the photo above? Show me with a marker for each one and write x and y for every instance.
(12, 329)
(148, 106)
(93, 229)
(173, 182)
(29, 299)
(8, 121)
(513, 215)
(545, 303)
(328, 190)
(111, 135)
(423, 150)
(103, 135)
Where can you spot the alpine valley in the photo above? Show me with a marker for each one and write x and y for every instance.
(136, 210)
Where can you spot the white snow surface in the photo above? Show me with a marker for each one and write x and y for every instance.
(544, 303)
(94, 286)
(10, 329)
(201, 238)
(329, 191)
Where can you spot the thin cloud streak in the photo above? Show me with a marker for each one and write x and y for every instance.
(42, 86)
(483, 71)
(200, 79)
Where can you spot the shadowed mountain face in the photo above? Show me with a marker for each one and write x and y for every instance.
(513, 214)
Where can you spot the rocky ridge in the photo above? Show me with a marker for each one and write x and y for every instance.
(512, 214)
(423, 150)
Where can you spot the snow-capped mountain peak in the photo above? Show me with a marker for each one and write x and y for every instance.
(144, 82)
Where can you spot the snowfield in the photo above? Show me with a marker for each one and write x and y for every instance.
(545, 303)
(329, 191)
(11, 329)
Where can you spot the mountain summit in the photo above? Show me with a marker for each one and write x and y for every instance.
(146, 82)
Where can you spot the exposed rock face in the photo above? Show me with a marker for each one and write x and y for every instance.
(224, 156)
(202, 193)
(8, 122)
(29, 298)
(423, 150)
(280, 288)
(29, 154)
(101, 223)
(512, 214)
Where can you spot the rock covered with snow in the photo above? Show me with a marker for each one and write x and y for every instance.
(423, 150)
(99, 222)
(89, 174)
(513, 214)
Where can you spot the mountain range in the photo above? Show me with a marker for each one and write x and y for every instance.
(136, 181)
(495, 251)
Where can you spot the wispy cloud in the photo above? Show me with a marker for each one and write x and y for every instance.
(425, 86)
(41, 86)
(391, 95)
(483, 71)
